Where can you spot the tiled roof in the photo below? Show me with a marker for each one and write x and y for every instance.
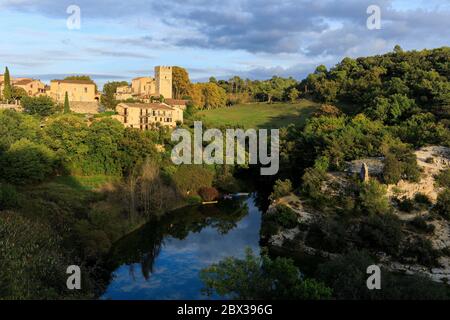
(176, 102)
(23, 82)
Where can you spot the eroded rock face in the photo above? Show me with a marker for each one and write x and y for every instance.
(432, 160)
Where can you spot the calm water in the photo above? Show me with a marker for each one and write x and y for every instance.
(162, 260)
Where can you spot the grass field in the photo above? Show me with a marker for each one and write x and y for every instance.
(258, 115)
(85, 182)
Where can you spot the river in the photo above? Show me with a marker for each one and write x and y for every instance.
(162, 260)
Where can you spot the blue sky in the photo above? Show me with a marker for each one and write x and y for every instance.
(120, 40)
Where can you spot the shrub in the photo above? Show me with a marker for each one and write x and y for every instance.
(443, 179)
(281, 189)
(405, 205)
(286, 217)
(422, 199)
(392, 172)
(9, 198)
(193, 200)
(443, 204)
(27, 162)
(42, 106)
(422, 251)
(312, 182)
(372, 198)
(190, 178)
(208, 193)
(382, 232)
(421, 224)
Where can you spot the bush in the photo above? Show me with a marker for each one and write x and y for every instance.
(392, 172)
(193, 200)
(285, 217)
(32, 262)
(372, 198)
(443, 179)
(281, 189)
(9, 198)
(208, 193)
(443, 204)
(190, 178)
(382, 232)
(312, 182)
(422, 251)
(42, 106)
(422, 199)
(405, 205)
(27, 162)
(421, 224)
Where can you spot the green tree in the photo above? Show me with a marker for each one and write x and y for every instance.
(27, 162)
(373, 199)
(15, 126)
(42, 106)
(108, 96)
(261, 278)
(281, 189)
(7, 88)
(443, 204)
(66, 103)
(293, 95)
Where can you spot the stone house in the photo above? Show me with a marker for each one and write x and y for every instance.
(145, 116)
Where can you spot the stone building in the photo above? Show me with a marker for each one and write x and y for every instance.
(77, 90)
(146, 116)
(143, 88)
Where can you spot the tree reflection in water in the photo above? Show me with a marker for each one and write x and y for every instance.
(144, 245)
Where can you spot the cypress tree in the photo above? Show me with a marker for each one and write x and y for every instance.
(7, 90)
(66, 104)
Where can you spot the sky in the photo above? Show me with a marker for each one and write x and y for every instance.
(121, 40)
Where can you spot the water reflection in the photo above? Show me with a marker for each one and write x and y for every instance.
(162, 260)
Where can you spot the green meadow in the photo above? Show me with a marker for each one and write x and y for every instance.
(259, 115)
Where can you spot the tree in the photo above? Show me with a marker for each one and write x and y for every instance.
(15, 126)
(109, 90)
(66, 103)
(180, 82)
(443, 204)
(373, 199)
(7, 90)
(42, 106)
(208, 96)
(392, 172)
(281, 189)
(27, 162)
(208, 193)
(18, 93)
(293, 95)
(261, 278)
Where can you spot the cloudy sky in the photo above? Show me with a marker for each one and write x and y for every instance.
(250, 38)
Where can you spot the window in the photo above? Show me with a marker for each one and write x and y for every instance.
(125, 111)
(125, 120)
(85, 90)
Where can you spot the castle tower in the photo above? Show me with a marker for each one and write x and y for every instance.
(163, 78)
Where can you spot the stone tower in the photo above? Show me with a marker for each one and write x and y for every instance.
(364, 174)
(163, 78)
